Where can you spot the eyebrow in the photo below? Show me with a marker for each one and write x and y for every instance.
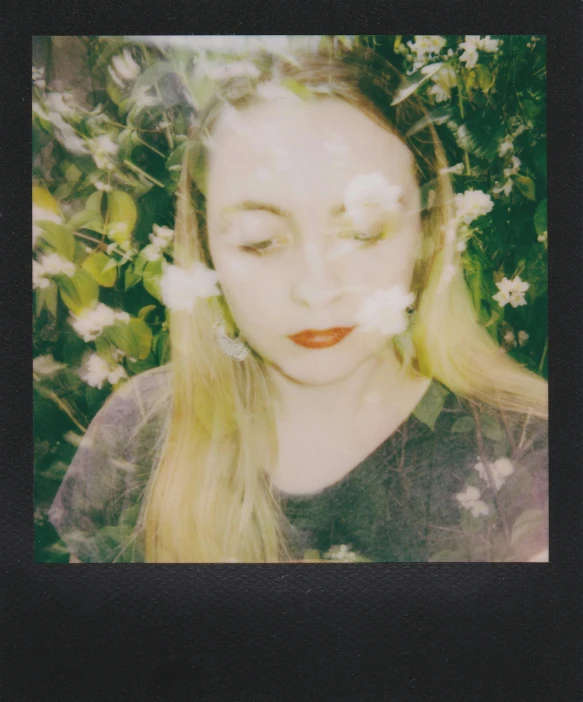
(253, 205)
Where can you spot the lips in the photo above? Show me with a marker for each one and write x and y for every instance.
(320, 338)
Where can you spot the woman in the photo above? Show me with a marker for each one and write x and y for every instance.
(295, 420)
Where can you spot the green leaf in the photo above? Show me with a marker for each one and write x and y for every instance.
(484, 78)
(98, 264)
(46, 297)
(120, 335)
(429, 409)
(135, 367)
(526, 186)
(145, 311)
(151, 278)
(130, 278)
(79, 291)
(58, 237)
(491, 428)
(86, 219)
(463, 425)
(162, 347)
(540, 217)
(93, 202)
(142, 335)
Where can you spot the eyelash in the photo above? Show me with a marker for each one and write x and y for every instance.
(262, 248)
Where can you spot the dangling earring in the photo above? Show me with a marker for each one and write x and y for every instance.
(404, 341)
(236, 348)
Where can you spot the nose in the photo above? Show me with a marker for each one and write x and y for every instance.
(316, 284)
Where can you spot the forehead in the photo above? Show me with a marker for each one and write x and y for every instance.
(298, 153)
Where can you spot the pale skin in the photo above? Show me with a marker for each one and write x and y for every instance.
(276, 184)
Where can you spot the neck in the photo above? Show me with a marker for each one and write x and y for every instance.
(375, 381)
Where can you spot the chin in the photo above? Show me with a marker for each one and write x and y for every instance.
(318, 371)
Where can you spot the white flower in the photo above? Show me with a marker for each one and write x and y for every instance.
(160, 239)
(504, 147)
(543, 237)
(500, 470)
(39, 280)
(470, 499)
(441, 95)
(469, 57)
(151, 253)
(445, 77)
(38, 75)
(340, 553)
(142, 99)
(46, 365)
(385, 310)
(181, 287)
(90, 323)
(506, 188)
(104, 187)
(513, 170)
(425, 47)
(39, 213)
(509, 338)
(368, 197)
(489, 45)
(511, 291)
(58, 102)
(54, 264)
(472, 204)
(96, 371)
(124, 69)
(103, 149)
(522, 338)
(48, 266)
(458, 169)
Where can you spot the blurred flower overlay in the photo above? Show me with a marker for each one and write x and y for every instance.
(111, 121)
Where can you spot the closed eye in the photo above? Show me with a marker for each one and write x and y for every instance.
(261, 248)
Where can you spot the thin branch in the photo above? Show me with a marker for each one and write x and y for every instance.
(49, 394)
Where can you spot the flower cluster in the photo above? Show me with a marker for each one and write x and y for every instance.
(385, 311)
(496, 473)
(474, 43)
(181, 287)
(89, 324)
(49, 266)
(426, 47)
(341, 552)
(104, 149)
(160, 240)
(470, 500)
(123, 69)
(97, 371)
(472, 204)
(511, 292)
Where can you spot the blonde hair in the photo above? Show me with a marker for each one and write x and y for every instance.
(209, 498)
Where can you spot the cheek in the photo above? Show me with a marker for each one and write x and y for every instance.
(254, 290)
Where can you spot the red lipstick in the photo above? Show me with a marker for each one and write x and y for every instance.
(320, 338)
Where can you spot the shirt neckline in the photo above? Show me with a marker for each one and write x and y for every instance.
(363, 472)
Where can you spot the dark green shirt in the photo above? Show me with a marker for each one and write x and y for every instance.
(412, 499)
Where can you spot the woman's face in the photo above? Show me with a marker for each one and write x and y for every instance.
(296, 238)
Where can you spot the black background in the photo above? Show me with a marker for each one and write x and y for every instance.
(392, 632)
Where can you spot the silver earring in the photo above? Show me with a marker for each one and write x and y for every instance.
(236, 348)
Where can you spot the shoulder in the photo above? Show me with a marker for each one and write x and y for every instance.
(139, 399)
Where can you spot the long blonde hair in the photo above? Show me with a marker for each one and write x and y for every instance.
(209, 498)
